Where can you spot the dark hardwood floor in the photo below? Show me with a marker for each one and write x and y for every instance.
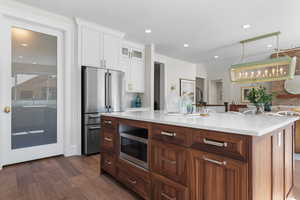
(60, 178)
(75, 178)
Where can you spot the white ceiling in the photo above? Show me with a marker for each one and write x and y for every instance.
(210, 27)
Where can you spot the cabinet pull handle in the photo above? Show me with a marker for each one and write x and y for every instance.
(167, 196)
(214, 143)
(94, 127)
(172, 162)
(94, 116)
(132, 181)
(214, 161)
(107, 139)
(107, 122)
(108, 162)
(168, 134)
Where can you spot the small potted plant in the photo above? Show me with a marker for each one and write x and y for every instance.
(260, 98)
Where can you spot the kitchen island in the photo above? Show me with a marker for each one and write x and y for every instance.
(219, 157)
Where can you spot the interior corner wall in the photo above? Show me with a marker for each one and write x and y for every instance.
(175, 69)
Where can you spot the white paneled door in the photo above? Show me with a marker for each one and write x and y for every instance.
(31, 90)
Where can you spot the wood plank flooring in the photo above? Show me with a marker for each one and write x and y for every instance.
(60, 178)
(73, 178)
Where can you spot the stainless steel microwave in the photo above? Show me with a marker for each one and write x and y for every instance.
(134, 147)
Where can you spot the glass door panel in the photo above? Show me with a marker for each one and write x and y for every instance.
(34, 89)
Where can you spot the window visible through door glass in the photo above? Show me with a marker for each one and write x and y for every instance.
(34, 88)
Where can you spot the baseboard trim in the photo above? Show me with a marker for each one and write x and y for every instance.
(71, 151)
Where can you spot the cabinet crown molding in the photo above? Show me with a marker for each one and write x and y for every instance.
(81, 22)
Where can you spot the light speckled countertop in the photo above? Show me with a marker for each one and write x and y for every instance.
(253, 125)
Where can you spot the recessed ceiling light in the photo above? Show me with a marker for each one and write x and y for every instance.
(148, 31)
(246, 26)
(216, 57)
(186, 45)
(34, 63)
(269, 46)
(24, 45)
(20, 57)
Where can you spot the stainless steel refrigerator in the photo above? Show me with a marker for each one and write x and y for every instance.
(102, 92)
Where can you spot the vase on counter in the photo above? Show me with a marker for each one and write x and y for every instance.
(260, 108)
(173, 101)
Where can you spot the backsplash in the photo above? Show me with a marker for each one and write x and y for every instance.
(130, 96)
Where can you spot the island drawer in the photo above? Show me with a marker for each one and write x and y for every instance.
(108, 122)
(107, 140)
(165, 189)
(108, 163)
(170, 161)
(135, 178)
(172, 134)
(234, 146)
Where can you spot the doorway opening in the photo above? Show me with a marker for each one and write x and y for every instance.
(216, 92)
(159, 86)
(200, 90)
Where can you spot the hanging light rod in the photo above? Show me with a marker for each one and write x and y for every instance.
(260, 37)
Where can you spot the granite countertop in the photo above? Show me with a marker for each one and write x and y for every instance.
(253, 125)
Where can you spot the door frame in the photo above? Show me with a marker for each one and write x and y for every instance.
(21, 12)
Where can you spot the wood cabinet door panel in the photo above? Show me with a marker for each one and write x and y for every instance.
(107, 140)
(278, 166)
(289, 159)
(108, 163)
(170, 161)
(165, 189)
(216, 177)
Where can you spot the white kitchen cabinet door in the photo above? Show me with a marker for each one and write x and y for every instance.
(125, 65)
(138, 76)
(137, 54)
(125, 52)
(92, 47)
(111, 54)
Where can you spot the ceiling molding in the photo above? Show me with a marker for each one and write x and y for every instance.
(82, 22)
(29, 13)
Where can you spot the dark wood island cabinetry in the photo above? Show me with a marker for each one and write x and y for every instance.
(195, 164)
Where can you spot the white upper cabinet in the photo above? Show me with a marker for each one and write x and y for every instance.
(138, 77)
(137, 54)
(99, 46)
(92, 47)
(133, 62)
(111, 48)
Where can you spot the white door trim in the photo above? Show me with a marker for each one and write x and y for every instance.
(34, 15)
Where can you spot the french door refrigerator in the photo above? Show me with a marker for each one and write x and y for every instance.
(102, 92)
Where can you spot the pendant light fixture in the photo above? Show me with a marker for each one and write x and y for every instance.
(274, 69)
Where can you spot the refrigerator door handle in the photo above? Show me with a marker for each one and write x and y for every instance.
(106, 91)
(109, 92)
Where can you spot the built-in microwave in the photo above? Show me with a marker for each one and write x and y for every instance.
(134, 147)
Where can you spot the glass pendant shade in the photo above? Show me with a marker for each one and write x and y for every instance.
(275, 69)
